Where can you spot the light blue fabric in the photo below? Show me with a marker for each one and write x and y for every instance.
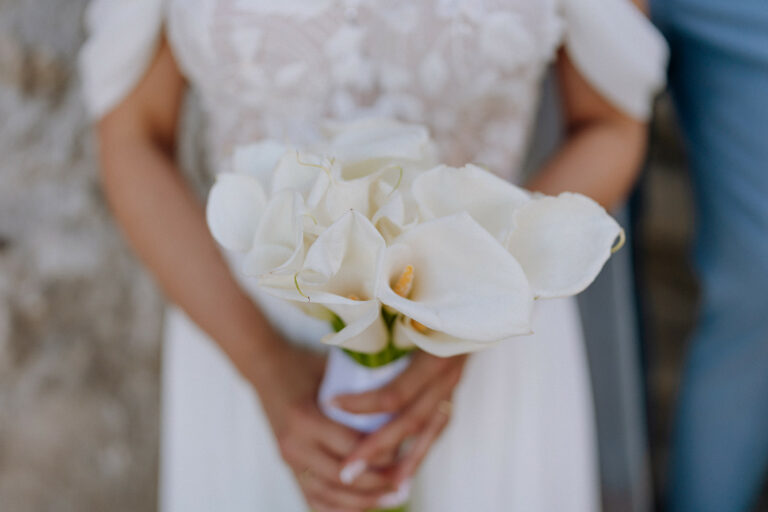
(719, 81)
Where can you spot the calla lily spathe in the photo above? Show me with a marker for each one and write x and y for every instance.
(236, 203)
(562, 243)
(340, 273)
(487, 198)
(365, 145)
(238, 199)
(465, 283)
(278, 246)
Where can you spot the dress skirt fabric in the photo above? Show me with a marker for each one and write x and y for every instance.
(521, 437)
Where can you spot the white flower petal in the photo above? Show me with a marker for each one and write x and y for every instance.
(343, 196)
(562, 243)
(395, 216)
(465, 283)
(393, 209)
(297, 171)
(374, 139)
(435, 342)
(364, 329)
(279, 242)
(489, 199)
(235, 205)
(258, 160)
(286, 287)
(339, 272)
(343, 261)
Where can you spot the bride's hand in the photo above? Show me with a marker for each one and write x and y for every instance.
(312, 445)
(421, 400)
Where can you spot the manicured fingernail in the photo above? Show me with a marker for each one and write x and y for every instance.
(396, 498)
(351, 471)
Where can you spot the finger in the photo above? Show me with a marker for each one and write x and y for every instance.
(320, 464)
(390, 436)
(337, 439)
(397, 394)
(374, 480)
(420, 447)
(312, 459)
(338, 496)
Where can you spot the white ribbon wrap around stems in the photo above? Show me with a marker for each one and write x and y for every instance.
(344, 375)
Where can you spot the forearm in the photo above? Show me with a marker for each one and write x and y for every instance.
(165, 224)
(599, 160)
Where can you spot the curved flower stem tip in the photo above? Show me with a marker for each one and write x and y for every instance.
(399, 179)
(620, 243)
(318, 166)
(298, 288)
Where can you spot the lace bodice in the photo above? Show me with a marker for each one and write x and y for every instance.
(468, 69)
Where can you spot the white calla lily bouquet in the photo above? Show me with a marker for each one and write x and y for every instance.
(397, 252)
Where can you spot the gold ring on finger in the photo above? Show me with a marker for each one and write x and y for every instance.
(445, 407)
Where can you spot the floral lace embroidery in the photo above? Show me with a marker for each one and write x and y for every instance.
(469, 69)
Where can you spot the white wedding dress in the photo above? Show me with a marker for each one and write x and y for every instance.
(522, 436)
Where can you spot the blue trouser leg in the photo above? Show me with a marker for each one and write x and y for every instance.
(719, 82)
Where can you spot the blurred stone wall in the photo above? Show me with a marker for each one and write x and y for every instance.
(79, 322)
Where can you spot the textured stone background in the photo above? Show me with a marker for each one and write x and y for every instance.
(80, 323)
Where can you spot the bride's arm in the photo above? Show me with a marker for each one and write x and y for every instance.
(164, 222)
(166, 226)
(604, 147)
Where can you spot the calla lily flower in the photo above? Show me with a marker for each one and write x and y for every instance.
(340, 273)
(367, 145)
(488, 199)
(237, 199)
(397, 214)
(333, 194)
(465, 284)
(562, 243)
(278, 246)
(365, 231)
(236, 203)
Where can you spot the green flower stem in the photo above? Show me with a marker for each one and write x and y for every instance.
(387, 355)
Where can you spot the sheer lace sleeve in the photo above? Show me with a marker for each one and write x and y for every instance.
(122, 39)
(619, 51)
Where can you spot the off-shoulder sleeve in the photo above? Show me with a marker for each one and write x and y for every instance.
(123, 36)
(618, 50)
